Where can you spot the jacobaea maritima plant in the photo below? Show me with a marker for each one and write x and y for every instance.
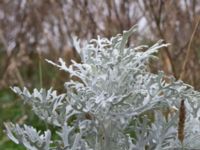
(116, 103)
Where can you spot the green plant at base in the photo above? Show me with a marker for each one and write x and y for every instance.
(107, 107)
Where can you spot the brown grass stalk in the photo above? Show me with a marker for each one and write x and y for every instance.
(183, 69)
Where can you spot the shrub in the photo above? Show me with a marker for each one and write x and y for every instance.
(114, 103)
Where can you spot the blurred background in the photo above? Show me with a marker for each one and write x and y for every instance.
(33, 30)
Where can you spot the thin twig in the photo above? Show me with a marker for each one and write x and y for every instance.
(157, 19)
(40, 69)
(117, 15)
(183, 69)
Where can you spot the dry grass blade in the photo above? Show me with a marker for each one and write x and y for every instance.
(183, 69)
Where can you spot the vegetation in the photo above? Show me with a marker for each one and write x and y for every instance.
(111, 97)
(31, 31)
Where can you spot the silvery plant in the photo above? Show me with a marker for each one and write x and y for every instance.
(114, 103)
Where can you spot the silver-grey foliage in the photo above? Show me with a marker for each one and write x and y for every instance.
(116, 103)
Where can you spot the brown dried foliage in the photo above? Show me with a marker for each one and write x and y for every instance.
(47, 27)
